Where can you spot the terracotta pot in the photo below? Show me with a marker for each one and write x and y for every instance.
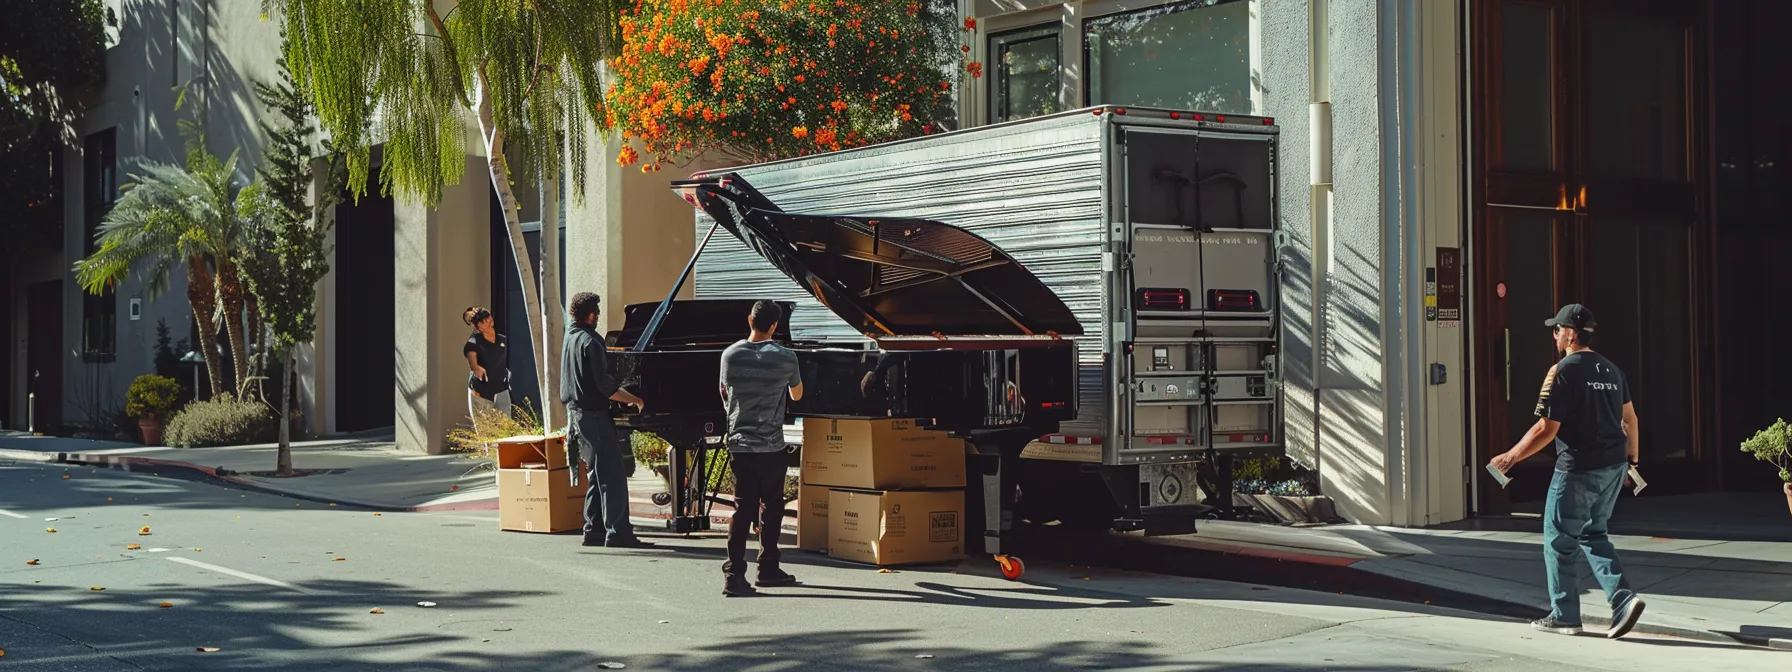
(151, 429)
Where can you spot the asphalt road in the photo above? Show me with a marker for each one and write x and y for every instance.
(267, 583)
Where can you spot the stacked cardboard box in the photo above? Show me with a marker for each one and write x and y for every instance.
(537, 491)
(885, 492)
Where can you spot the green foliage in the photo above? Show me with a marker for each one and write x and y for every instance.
(52, 52)
(284, 255)
(1771, 446)
(649, 449)
(418, 72)
(491, 424)
(151, 396)
(223, 420)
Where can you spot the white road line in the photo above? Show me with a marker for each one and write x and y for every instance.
(243, 575)
(4, 512)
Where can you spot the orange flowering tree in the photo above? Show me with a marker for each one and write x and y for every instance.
(760, 80)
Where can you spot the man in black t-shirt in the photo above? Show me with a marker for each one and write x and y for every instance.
(1584, 409)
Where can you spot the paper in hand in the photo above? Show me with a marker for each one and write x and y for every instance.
(1498, 475)
(1638, 480)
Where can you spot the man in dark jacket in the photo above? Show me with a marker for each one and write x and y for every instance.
(587, 389)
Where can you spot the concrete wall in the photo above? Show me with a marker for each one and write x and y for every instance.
(444, 263)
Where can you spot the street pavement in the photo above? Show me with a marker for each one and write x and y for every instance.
(266, 582)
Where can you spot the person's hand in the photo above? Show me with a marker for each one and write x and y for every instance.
(479, 371)
(1504, 461)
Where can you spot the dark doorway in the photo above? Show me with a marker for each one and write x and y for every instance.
(365, 287)
(1591, 186)
(1753, 168)
(43, 353)
(6, 379)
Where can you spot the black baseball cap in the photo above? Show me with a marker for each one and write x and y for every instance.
(1573, 316)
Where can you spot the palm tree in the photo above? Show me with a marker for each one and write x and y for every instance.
(411, 72)
(169, 217)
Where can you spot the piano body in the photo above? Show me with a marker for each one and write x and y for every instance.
(958, 336)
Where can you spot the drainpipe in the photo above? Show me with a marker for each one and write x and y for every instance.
(1320, 197)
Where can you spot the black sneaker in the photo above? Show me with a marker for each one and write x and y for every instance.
(774, 579)
(631, 542)
(737, 586)
(1550, 624)
(1625, 618)
(592, 540)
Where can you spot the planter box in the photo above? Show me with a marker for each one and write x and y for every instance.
(1290, 509)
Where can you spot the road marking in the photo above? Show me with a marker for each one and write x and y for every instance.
(243, 575)
(4, 512)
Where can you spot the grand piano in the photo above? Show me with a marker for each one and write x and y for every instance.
(958, 336)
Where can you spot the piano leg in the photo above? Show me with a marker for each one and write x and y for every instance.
(990, 499)
(689, 496)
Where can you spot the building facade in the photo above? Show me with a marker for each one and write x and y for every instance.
(1451, 171)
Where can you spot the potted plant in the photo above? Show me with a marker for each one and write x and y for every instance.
(151, 397)
(1771, 446)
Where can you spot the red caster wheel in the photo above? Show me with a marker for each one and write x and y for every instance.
(1012, 567)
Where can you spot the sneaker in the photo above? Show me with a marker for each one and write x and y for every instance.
(737, 586)
(1550, 624)
(775, 578)
(1625, 618)
(630, 542)
(593, 540)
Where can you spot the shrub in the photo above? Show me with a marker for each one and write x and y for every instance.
(699, 76)
(223, 420)
(1771, 446)
(151, 396)
(492, 424)
(649, 449)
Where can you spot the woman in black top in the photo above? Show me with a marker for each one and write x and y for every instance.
(488, 363)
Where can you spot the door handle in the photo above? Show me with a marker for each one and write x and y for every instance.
(1508, 339)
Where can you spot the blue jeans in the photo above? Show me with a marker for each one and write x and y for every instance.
(1574, 519)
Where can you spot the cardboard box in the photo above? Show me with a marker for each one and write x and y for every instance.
(540, 500)
(880, 455)
(529, 452)
(812, 517)
(896, 527)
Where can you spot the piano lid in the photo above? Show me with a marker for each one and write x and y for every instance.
(889, 276)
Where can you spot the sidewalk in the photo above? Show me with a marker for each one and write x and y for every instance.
(1732, 582)
(1714, 566)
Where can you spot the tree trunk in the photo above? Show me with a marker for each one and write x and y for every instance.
(283, 461)
(513, 223)
(257, 337)
(230, 290)
(552, 307)
(201, 296)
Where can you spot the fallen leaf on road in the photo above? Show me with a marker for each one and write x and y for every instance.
(198, 550)
(134, 547)
(455, 487)
(207, 649)
(501, 629)
(32, 561)
(376, 514)
(96, 589)
(108, 499)
(664, 622)
(167, 605)
(51, 520)
(611, 666)
(923, 656)
(143, 531)
(337, 559)
(885, 570)
(426, 604)
(65, 475)
(51, 530)
(332, 503)
(376, 610)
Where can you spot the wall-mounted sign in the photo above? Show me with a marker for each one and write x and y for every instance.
(1449, 285)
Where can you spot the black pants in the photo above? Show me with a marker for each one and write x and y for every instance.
(758, 493)
(606, 494)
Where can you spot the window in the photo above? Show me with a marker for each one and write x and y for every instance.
(1027, 76)
(99, 313)
(1192, 55)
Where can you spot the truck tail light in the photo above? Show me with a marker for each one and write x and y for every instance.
(1233, 300)
(1162, 298)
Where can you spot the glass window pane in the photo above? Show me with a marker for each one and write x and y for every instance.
(1028, 72)
(1636, 78)
(1186, 56)
(1525, 63)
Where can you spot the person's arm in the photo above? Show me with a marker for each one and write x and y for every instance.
(796, 379)
(1630, 433)
(603, 382)
(473, 363)
(1540, 435)
(1788, 489)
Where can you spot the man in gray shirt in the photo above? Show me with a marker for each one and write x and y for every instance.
(756, 375)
